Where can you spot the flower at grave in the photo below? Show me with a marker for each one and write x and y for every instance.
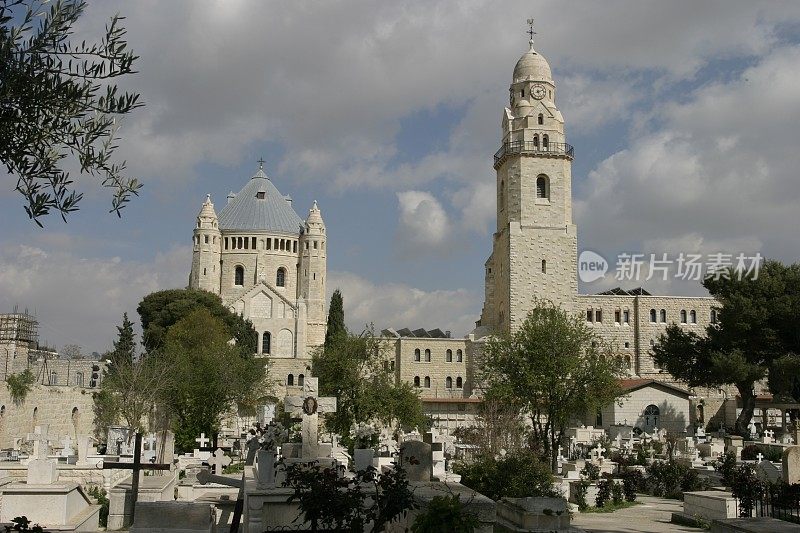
(296, 432)
(364, 435)
(271, 436)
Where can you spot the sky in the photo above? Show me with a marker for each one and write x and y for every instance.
(684, 115)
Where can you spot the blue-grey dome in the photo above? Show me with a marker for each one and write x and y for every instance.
(259, 206)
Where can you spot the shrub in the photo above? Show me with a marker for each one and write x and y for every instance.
(603, 492)
(517, 475)
(726, 466)
(19, 385)
(99, 494)
(445, 513)
(616, 493)
(670, 479)
(580, 495)
(591, 471)
(632, 481)
(750, 452)
(747, 488)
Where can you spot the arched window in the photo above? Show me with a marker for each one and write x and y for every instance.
(79, 379)
(427, 355)
(541, 118)
(652, 315)
(280, 277)
(502, 194)
(459, 382)
(536, 142)
(290, 379)
(459, 356)
(628, 361)
(542, 187)
(544, 266)
(417, 355)
(448, 382)
(545, 142)
(651, 416)
(301, 379)
(713, 316)
(683, 316)
(238, 276)
(53, 378)
(427, 382)
(693, 317)
(266, 342)
(663, 315)
(448, 356)
(416, 381)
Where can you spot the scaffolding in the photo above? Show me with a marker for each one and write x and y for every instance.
(19, 327)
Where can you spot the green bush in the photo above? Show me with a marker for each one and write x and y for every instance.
(517, 475)
(603, 492)
(746, 488)
(616, 493)
(99, 494)
(670, 479)
(632, 481)
(445, 513)
(750, 452)
(591, 471)
(580, 495)
(726, 466)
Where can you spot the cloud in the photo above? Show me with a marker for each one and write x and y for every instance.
(398, 305)
(722, 165)
(80, 299)
(423, 222)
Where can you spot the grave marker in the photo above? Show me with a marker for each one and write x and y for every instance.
(308, 408)
(417, 459)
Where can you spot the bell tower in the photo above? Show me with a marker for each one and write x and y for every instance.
(534, 251)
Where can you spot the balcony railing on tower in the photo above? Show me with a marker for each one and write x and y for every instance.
(534, 148)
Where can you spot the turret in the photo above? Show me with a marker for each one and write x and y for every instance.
(313, 270)
(206, 249)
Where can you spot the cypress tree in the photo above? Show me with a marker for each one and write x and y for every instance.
(125, 345)
(336, 328)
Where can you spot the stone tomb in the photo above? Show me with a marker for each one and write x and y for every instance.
(174, 517)
(151, 489)
(534, 514)
(709, 505)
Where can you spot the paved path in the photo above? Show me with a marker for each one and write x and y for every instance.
(652, 516)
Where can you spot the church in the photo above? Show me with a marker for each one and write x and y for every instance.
(269, 264)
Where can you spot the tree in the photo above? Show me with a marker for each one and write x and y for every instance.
(125, 345)
(209, 375)
(499, 426)
(755, 336)
(56, 100)
(357, 370)
(160, 310)
(132, 391)
(552, 368)
(336, 328)
(71, 351)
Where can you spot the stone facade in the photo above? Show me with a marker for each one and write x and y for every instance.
(269, 265)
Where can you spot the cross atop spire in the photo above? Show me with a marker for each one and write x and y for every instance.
(261, 164)
(530, 32)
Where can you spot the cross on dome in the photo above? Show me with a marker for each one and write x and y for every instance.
(530, 32)
(260, 163)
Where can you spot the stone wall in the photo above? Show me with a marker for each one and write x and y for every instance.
(67, 410)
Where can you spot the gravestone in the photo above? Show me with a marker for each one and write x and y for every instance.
(41, 470)
(66, 447)
(219, 461)
(791, 465)
(308, 407)
(84, 444)
(417, 460)
(165, 447)
(766, 471)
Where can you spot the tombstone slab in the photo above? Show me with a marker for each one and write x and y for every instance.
(174, 517)
(417, 460)
(791, 465)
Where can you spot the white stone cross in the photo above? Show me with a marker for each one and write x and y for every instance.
(769, 436)
(599, 451)
(202, 440)
(219, 461)
(760, 457)
(66, 444)
(40, 441)
(308, 407)
(151, 441)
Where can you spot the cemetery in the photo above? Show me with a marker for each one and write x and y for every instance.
(244, 402)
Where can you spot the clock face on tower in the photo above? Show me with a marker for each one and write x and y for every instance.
(538, 91)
